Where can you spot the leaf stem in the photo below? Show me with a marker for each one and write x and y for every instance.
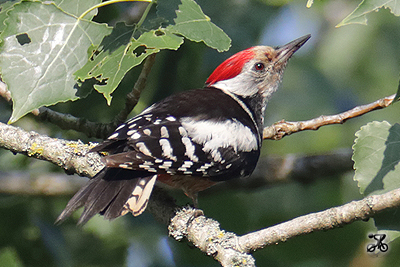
(145, 13)
(112, 2)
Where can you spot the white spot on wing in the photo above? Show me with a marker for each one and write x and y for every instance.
(113, 136)
(143, 148)
(164, 132)
(167, 150)
(120, 127)
(187, 164)
(190, 149)
(166, 165)
(213, 135)
(132, 120)
(131, 132)
(170, 118)
(147, 110)
(204, 167)
(182, 131)
(147, 131)
(216, 155)
(135, 136)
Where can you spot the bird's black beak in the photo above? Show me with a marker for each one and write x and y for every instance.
(284, 52)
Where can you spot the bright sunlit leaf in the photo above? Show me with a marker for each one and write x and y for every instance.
(192, 23)
(376, 157)
(42, 47)
(376, 161)
(118, 54)
(359, 15)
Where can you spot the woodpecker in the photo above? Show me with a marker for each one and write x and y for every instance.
(191, 140)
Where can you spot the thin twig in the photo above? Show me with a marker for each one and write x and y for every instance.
(324, 220)
(283, 128)
(205, 233)
(132, 97)
(68, 122)
(232, 250)
(93, 129)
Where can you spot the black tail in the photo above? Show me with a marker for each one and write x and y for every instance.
(106, 193)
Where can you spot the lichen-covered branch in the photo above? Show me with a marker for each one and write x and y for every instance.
(283, 128)
(324, 220)
(207, 236)
(205, 233)
(232, 250)
(270, 170)
(71, 156)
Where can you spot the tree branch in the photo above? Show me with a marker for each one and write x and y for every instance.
(132, 97)
(71, 156)
(292, 167)
(101, 130)
(232, 250)
(283, 128)
(269, 171)
(207, 236)
(204, 233)
(324, 220)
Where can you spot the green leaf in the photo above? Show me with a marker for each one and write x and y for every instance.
(376, 157)
(166, 9)
(192, 23)
(376, 161)
(42, 48)
(118, 54)
(391, 235)
(5, 7)
(161, 39)
(77, 7)
(359, 15)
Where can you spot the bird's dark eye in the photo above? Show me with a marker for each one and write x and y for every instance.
(259, 66)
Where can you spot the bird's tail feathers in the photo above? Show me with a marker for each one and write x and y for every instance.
(112, 194)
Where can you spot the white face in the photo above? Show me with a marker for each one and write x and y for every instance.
(260, 75)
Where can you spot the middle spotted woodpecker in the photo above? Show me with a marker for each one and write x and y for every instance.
(190, 140)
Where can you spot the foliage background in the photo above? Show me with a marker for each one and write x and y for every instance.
(339, 68)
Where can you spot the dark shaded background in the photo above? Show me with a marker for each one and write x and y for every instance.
(339, 68)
